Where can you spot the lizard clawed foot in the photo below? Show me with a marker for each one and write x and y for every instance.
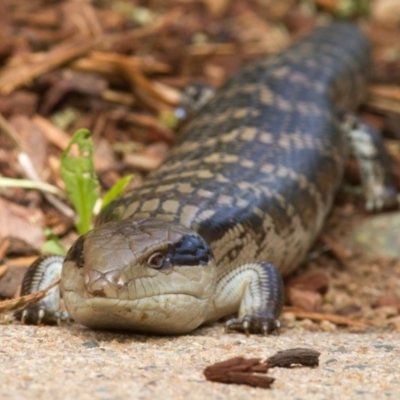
(35, 314)
(254, 324)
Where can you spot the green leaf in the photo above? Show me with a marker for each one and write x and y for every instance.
(168, 119)
(65, 118)
(78, 174)
(52, 244)
(116, 190)
(53, 247)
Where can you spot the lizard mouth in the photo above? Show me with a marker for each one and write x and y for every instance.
(160, 313)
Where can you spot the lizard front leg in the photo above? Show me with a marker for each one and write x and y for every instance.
(255, 290)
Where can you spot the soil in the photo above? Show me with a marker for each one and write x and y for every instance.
(119, 68)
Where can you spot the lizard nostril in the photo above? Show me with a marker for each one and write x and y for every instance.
(115, 277)
(93, 280)
(100, 284)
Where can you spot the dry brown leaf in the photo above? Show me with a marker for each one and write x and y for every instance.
(32, 140)
(240, 371)
(297, 356)
(21, 222)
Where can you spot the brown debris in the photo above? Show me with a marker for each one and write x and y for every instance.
(19, 102)
(143, 88)
(334, 318)
(143, 121)
(3, 270)
(71, 81)
(53, 134)
(217, 7)
(23, 301)
(304, 299)
(21, 222)
(122, 77)
(305, 291)
(315, 281)
(387, 300)
(125, 40)
(13, 246)
(294, 357)
(384, 98)
(386, 12)
(32, 140)
(4, 245)
(22, 72)
(10, 282)
(336, 249)
(150, 158)
(240, 371)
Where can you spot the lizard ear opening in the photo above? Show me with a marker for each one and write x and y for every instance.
(75, 253)
(191, 250)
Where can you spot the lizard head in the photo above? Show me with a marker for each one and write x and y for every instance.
(144, 275)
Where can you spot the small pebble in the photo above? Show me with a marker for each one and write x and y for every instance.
(386, 311)
(327, 326)
(288, 318)
(309, 325)
(357, 329)
(90, 344)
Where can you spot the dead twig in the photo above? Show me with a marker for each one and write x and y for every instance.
(23, 301)
(4, 245)
(114, 40)
(14, 76)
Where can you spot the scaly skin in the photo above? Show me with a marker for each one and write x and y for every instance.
(248, 184)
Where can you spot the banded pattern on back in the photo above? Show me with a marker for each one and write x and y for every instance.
(255, 172)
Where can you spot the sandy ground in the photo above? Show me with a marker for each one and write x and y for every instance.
(72, 362)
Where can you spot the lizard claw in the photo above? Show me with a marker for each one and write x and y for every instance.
(36, 314)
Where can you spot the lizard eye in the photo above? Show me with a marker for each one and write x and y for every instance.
(156, 260)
